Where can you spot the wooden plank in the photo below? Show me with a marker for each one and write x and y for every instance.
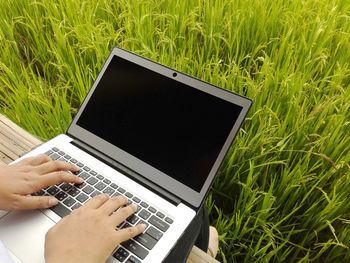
(22, 135)
(14, 141)
(198, 255)
(10, 149)
(4, 159)
(10, 135)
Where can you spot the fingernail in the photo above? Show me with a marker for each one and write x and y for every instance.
(143, 226)
(80, 180)
(134, 206)
(53, 201)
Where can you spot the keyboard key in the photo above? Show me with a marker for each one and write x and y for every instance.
(152, 209)
(93, 173)
(73, 191)
(133, 259)
(86, 168)
(133, 219)
(144, 204)
(60, 210)
(92, 180)
(80, 186)
(113, 185)
(88, 189)
(160, 214)
(116, 194)
(68, 157)
(76, 206)
(82, 197)
(69, 201)
(49, 152)
(136, 199)
(121, 254)
(55, 149)
(135, 248)
(110, 191)
(53, 190)
(144, 214)
(107, 181)
(100, 186)
(54, 156)
(80, 164)
(61, 153)
(61, 196)
(84, 175)
(158, 223)
(100, 177)
(146, 240)
(73, 160)
(169, 220)
(65, 186)
(154, 233)
(95, 193)
(128, 194)
(121, 190)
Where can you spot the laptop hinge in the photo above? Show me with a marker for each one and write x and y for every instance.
(127, 172)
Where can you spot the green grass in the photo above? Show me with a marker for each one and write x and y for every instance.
(283, 192)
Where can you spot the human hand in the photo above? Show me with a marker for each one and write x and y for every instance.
(89, 233)
(30, 175)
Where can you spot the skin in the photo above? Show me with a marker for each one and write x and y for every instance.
(18, 181)
(89, 233)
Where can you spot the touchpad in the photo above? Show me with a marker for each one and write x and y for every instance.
(23, 233)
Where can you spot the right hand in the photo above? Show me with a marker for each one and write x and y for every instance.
(89, 233)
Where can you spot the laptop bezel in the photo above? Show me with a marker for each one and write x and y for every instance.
(148, 172)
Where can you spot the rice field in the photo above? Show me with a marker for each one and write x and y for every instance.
(282, 194)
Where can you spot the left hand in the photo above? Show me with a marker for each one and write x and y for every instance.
(30, 175)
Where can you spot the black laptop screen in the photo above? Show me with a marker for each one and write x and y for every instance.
(173, 127)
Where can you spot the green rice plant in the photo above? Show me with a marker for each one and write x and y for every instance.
(282, 192)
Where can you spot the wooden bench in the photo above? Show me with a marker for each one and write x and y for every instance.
(15, 141)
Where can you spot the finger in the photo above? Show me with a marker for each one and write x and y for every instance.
(34, 161)
(53, 166)
(113, 204)
(129, 232)
(122, 214)
(35, 202)
(56, 178)
(96, 201)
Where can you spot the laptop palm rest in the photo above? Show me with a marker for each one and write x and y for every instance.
(23, 234)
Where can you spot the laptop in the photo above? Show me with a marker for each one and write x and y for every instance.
(145, 131)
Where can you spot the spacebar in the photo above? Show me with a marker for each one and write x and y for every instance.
(61, 210)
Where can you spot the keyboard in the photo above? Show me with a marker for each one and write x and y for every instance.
(72, 196)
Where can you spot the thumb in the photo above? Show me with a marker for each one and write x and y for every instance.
(36, 202)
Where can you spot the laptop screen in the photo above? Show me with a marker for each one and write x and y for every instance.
(173, 127)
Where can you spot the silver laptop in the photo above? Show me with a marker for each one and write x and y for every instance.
(145, 131)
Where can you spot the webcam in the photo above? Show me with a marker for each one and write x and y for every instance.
(174, 74)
